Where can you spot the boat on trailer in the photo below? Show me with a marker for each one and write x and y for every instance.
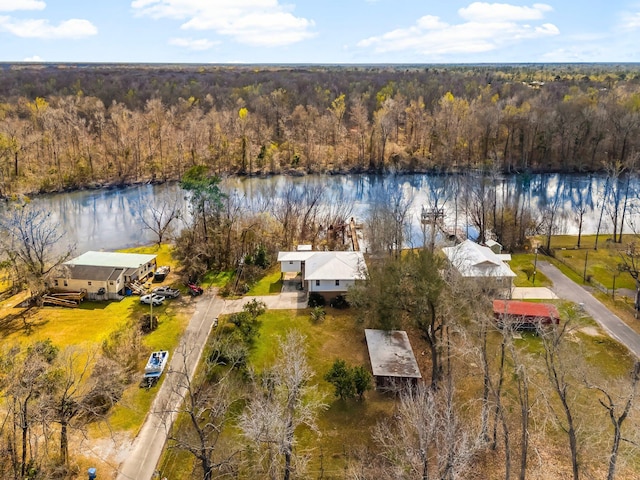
(155, 365)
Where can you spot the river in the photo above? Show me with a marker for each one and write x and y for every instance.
(109, 219)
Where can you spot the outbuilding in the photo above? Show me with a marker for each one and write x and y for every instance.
(392, 359)
(525, 315)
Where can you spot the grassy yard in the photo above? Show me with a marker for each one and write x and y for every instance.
(601, 264)
(89, 325)
(270, 284)
(337, 336)
(523, 265)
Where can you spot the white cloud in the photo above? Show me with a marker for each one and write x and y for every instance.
(73, 28)
(15, 5)
(630, 21)
(482, 32)
(251, 22)
(193, 44)
(502, 12)
(34, 58)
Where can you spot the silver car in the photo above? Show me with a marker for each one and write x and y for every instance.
(152, 299)
(166, 292)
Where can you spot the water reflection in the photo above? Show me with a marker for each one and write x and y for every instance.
(110, 219)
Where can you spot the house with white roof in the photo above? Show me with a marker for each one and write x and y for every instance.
(103, 275)
(480, 263)
(327, 273)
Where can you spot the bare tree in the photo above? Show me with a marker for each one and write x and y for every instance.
(553, 341)
(32, 243)
(283, 401)
(388, 218)
(426, 437)
(159, 218)
(618, 407)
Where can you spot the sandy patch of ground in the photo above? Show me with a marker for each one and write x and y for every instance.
(107, 453)
(591, 331)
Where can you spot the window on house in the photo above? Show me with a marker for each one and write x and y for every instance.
(55, 282)
(337, 283)
(66, 284)
(89, 283)
(317, 283)
(291, 263)
(111, 283)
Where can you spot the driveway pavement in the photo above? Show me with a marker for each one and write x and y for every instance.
(147, 447)
(612, 324)
(532, 293)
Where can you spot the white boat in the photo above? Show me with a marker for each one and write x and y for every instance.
(156, 364)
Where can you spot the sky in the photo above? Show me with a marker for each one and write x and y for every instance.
(319, 31)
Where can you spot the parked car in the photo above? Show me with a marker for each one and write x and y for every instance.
(194, 289)
(166, 292)
(152, 299)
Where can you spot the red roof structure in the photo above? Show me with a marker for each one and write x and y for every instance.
(526, 314)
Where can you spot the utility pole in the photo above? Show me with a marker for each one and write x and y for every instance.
(586, 259)
(535, 266)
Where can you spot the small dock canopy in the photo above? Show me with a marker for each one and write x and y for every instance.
(525, 315)
(391, 357)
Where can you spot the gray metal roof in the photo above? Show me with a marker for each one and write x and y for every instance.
(391, 354)
(112, 259)
(89, 272)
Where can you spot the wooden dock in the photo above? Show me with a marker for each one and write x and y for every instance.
(353, 233)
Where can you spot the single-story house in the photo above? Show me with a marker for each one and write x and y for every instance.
(391, 357)
(480, 263)
(327, 273)
(524, 315)
(104, 275)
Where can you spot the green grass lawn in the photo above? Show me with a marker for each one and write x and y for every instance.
(522, 265)
(601, 265)
(270, 284)
(219, 279)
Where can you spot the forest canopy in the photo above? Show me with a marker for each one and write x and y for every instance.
(66, 126)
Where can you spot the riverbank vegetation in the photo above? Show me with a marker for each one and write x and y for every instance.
(71, 126)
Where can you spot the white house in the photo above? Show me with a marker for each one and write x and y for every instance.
(104, 275)
(473, 261)
(327, 273)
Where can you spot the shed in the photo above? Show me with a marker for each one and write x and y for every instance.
(391, 357)
(525, 315)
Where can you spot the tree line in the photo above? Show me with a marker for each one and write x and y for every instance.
(66, 127)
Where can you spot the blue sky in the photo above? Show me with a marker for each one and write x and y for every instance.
(319, 31)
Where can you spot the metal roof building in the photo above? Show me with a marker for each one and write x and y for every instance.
(525, 315)
(112, 259)
(391, 356)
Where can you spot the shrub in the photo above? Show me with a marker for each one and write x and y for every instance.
(339, 302)
(349, 381)
(341, 378)
(316, 300)
(317, 314)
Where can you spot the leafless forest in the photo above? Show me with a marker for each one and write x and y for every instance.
(73, 126)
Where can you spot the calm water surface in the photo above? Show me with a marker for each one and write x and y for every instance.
(110, 219)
